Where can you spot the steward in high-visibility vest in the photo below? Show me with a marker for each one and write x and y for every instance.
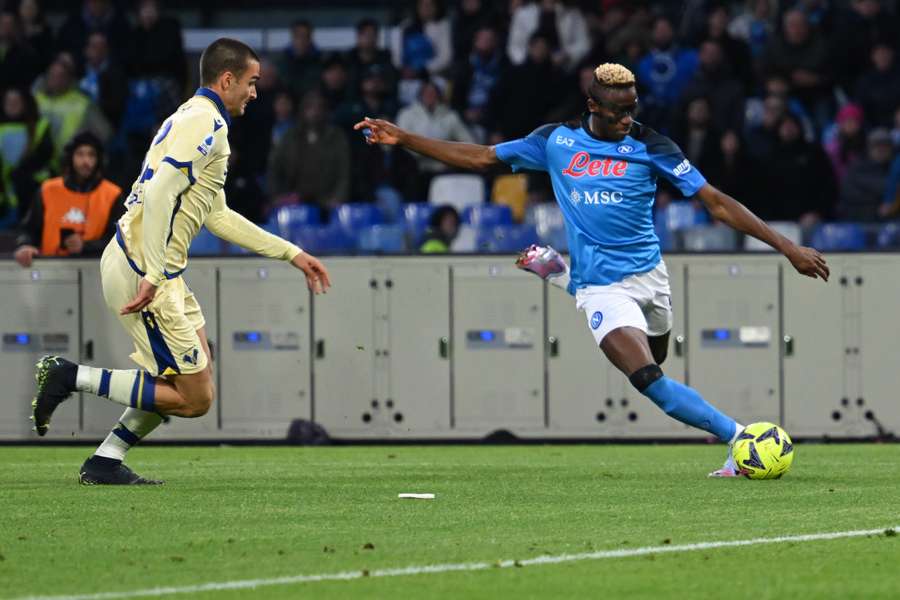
(74, 214)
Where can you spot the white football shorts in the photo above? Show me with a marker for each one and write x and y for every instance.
(643, 301)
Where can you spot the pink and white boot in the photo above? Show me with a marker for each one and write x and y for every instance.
(546, 263)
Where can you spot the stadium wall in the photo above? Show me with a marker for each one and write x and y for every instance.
(436, 348)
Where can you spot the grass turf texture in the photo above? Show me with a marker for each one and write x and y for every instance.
(234, 513)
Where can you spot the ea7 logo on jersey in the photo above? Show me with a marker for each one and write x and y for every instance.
(564, 141)
(682, 168)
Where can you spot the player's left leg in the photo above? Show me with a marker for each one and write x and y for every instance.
(546, 263)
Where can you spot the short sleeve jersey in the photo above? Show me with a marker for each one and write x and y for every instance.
(606, 191)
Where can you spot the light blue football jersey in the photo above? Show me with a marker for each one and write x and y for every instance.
(606, 192)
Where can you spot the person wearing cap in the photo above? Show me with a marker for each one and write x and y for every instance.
(863, 187)
(73, 214)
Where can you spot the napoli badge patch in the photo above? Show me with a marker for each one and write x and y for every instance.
(625, 149)
(596, 319)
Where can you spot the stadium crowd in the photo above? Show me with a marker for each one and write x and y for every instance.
(793, 107)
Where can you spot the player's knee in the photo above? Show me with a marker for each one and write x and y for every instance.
(645, 377)
(199, 403)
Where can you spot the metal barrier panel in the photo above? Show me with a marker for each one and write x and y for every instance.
(264, 348)
(40, 316)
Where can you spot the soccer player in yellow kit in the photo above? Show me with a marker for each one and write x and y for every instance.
(178, 190)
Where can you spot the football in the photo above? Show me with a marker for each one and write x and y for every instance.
(763, 451)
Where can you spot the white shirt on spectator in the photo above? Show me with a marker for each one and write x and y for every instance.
(439, 33)
(570, 26)
(443, 124)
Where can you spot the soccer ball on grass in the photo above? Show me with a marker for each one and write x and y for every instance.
(763, 451)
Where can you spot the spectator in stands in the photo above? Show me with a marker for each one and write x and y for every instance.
(431, 117)
(66, 108)
(300, 66)
(735, 52)
(26, 149)
(762, 134)
(878, 89)
(334, 85)
(311, 164)
(538, 81)
(366, 54)
(862, 190)
(890, 206)
(36, 30)
(697, 135)
(104, 80)
(370, 161)
(777, 86)
(895, 130)
(573, 103)
(443, 227)
(796, 181)
(252, 134)
(730, 169)
(157, 47)
(94, 15)
(283, 117)
(562, 26)
(801, 56)
(19, 62)
(242, 190)
(848, 143)
(476, 75)
(858, 28)
(664, 72)
(715, 81)
(74, 214)
(471, 16)
(426, 43)
(753, 25)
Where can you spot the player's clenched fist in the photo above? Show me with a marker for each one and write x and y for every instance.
(379, 131)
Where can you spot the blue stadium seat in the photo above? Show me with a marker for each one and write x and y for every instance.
(710, 238)
(889, 236)
(681, 214)
(415, 218)
(352, 217)
(505, 238)
(378, 239)
(328, 239)
(206, 244)
(837, 237)
(550, 225)
(286, 218)
(487, 215)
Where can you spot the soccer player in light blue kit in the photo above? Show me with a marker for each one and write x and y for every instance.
(604, 169)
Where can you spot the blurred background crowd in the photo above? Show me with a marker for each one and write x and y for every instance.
(791, 106)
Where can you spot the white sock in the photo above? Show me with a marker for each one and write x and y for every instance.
(737, 431)
(133, 426)
(128, 387)
(561, 280)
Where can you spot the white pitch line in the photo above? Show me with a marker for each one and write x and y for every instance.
(449, 567)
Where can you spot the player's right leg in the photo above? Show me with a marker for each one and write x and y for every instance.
(546, 263)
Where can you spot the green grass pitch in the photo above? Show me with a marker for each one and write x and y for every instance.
(239, 513)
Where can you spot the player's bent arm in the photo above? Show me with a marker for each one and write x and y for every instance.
(160, 195)
(726, 209)
(474, 157)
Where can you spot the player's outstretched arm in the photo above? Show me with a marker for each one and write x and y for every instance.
(474, 157)
(723, 207)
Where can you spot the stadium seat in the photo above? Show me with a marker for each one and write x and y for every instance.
(788, 229)
(837, 237)
(485, 215)
(681, 214)
(550, 225)
(459, 191)
(505, 238)
(322, 239)
(352, 217)
(511, 191)
(286, 218)
(415, 218)
(888, 236)
(465, 239)
(382, 239)
(206, 244)
(710, 238)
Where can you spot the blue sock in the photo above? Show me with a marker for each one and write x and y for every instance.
(685, 404)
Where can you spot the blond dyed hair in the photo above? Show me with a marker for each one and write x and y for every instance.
(614, 75)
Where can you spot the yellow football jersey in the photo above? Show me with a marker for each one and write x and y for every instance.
(180, 189)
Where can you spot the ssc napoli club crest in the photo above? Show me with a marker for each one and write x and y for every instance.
(625, 149)
(596, 319)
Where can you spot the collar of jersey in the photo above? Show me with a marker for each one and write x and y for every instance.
(214, 97)
(586, 126)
